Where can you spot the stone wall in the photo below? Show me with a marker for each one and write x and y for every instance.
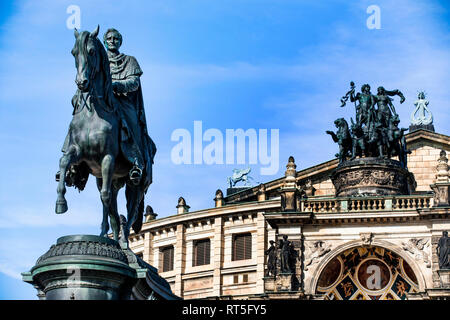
(422, 163)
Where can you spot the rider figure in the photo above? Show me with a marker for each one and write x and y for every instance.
(385, 107)
(136, 145)
(364, 110)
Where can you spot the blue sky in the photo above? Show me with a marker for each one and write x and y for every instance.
(231, 64)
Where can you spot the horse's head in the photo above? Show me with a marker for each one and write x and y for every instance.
(89, 55)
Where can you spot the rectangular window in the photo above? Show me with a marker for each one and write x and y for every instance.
(202, 252)
(167, 254)
(242, 246)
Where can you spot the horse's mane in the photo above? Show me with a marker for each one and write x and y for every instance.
(103, 66)
(108, 92)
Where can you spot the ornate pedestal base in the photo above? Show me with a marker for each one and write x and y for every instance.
(87, 267)
(372, 177)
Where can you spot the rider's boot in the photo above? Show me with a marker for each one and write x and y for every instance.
(136, 173)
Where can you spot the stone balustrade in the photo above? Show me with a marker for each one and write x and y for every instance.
(390, 203)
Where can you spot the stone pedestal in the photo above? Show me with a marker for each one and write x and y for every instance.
(372, 177)
(444, 275)
(234, 190)
(284, 282)
(88, 267)
(441, 194)
(269, 284)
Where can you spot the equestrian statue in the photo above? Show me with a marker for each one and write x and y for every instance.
(108, 136)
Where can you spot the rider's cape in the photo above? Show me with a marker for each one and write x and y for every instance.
(125, 73)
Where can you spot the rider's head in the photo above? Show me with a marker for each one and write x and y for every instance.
(112, 40)
(381, 90)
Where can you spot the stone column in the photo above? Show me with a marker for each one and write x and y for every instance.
(260, 249)
(180, 260)
(218, 246)
(148, 248)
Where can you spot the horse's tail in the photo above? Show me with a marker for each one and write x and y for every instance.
(137, 225)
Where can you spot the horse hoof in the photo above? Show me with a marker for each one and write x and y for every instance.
(61, 207)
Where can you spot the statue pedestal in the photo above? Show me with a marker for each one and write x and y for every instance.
(372, 177)
(88, 267)
(234, 190)
(441, 194)
(269, 284)
(444, 275)
(284, 282)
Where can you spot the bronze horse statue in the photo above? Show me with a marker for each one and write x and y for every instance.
(93, 142)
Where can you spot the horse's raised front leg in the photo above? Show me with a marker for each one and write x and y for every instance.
(64, 164)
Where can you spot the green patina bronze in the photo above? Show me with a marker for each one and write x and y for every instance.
(107, 136)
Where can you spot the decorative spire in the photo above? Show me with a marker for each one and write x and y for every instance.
(290, 173)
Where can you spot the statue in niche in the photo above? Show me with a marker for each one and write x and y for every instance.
(288, 255)
(443, 251)
(271, 259)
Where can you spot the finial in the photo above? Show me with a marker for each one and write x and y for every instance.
(182, 206)
(442, 175)
(149, 214)
(219, 198)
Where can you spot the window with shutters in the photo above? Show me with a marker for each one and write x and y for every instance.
(242, 246)
(201, 252)
(167, 254)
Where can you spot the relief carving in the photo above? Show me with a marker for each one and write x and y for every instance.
(315, 250)
(417, 247)
(366, 238)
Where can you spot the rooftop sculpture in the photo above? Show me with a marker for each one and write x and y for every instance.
(366, 148)
(239, 175)
(375, 132)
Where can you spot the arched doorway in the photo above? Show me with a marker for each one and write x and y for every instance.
(367, 273)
